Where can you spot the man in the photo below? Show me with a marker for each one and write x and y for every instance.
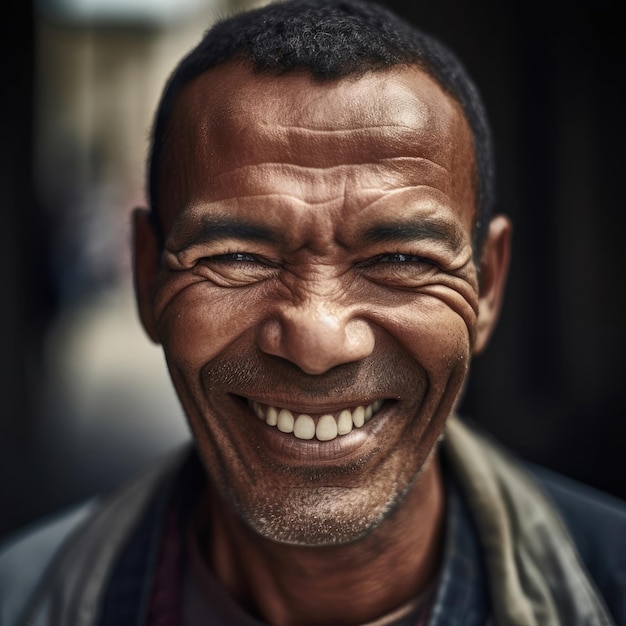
(320, 263)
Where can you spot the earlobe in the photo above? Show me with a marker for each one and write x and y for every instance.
(145, 268)
(494, 267)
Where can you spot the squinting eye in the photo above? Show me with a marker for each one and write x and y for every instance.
(399, 270)
(239, 257)
(235, 269)
(398, 257)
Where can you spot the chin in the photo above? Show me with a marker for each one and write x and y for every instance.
(323, 516)
(329, 518)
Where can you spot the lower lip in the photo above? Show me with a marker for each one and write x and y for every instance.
(285, 448)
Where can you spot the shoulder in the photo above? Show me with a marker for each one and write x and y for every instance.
(58, 568)
(591, 515)
(26, 556)
(568, 535)
(596, 522)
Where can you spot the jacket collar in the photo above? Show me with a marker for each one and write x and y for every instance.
(535, 575)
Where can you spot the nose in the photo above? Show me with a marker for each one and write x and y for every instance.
(317, 336)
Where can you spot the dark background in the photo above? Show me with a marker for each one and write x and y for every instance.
(550, 385)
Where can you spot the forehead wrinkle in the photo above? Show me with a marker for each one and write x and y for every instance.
(389, 162)
(367, 129)
(333, 131)
(352, 180)
(367, 144)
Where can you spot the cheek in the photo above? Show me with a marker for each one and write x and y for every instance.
(199, 322)
(435, 335)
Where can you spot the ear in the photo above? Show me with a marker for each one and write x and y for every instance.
(145, 268)
(494, 267)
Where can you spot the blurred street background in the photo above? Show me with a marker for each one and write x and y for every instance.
(85, 397)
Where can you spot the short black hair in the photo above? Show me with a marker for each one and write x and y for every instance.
(330, 39)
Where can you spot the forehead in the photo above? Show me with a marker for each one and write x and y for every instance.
(231, 124)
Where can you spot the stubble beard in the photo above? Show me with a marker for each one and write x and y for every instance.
(324, 516)
(314, 507)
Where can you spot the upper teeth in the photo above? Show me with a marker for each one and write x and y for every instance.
(325, 428)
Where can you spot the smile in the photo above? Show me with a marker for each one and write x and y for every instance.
(324, 427)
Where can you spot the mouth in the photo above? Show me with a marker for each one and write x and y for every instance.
(321, 426)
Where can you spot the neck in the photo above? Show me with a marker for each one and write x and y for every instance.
(342, 585)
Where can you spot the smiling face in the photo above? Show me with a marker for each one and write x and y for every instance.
(318, 298)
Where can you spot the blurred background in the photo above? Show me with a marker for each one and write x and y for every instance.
(85, 397)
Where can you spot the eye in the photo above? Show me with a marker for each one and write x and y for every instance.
(236, 269)
(399, 257)
(398, 270)
(234, 257)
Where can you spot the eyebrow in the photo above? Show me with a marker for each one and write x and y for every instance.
(416, 229)
(213, 229)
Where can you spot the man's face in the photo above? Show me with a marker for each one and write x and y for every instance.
(318, 299)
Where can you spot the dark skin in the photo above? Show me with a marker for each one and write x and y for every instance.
(318, 258)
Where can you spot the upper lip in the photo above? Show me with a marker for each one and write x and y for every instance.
(293, 405)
